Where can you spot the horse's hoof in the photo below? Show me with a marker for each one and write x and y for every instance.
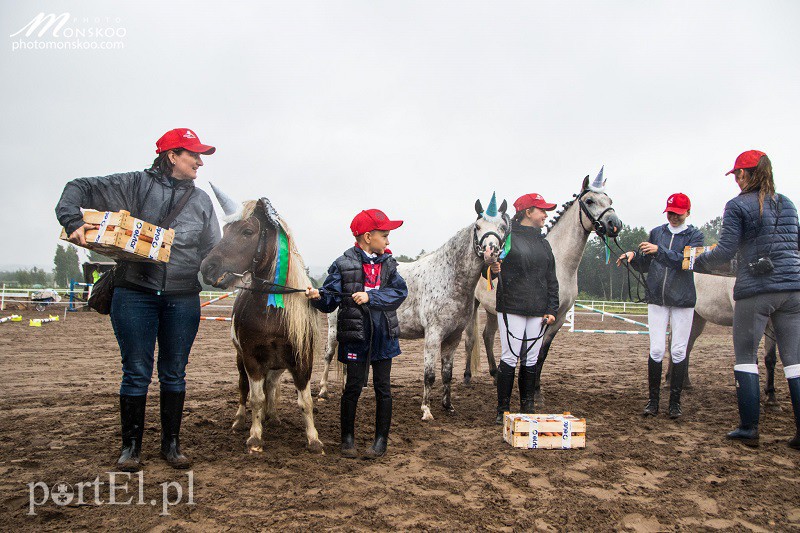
(773, 406)
(467, 380)
(426, 413)
(255, 445)
(449, 409)
(316, 447)
(239, 424)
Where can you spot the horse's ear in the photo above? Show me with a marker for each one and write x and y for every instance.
(264, 211)
(478, 207)
(585, 183)
(503, 207)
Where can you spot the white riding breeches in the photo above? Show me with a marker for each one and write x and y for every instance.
(680, 318)
(522, 327)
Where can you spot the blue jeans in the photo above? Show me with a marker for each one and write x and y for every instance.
(139, 320)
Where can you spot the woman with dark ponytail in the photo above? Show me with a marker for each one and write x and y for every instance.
(761, 226)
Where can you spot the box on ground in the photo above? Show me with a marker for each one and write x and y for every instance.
(544, 431)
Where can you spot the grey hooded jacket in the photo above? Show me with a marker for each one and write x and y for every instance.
(149, 196)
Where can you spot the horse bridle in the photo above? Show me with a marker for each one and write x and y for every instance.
(597, 223)
(478, 243)
(600, 229)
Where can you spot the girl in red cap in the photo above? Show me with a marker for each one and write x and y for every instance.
(670, 298)
(761, 227)
(153, 302)
(527, 300)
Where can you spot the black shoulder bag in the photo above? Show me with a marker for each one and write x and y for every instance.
(103, 288)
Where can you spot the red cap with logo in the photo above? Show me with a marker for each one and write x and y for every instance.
(678, 203)
(373, 219)
(748, 159)
(527, 201)
(183, 138)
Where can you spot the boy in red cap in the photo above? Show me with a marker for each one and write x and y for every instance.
(367, 327)
(670, 298)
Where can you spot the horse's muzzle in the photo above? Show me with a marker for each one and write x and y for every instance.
(613, 225)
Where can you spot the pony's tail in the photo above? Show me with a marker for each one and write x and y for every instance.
(472, 331)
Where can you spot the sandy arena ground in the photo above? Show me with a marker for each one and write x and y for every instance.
(59, 423)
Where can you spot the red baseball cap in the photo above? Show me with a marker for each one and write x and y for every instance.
(532, 200)
(373, 219)
(183, 138)
(748, 159)
(678, 203)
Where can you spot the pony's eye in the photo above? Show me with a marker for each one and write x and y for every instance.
(589, 202)
(248, 233)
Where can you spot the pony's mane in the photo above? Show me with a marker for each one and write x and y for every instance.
(300, 319)
(552, 222)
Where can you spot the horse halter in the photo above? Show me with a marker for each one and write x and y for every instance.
(597, 224)
(477, 243)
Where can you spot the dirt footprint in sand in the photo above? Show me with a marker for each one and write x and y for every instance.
(640, 523)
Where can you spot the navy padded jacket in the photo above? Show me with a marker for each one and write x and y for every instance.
(751, 235)
(667, 284)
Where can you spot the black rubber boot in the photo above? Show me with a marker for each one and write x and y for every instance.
(654, 384)
(348, 421)
(171, 415)
(383, 419)
(527, 378)
(131, 414)
(505, 384)
(675, 388)
(794, 392)
(747, 395)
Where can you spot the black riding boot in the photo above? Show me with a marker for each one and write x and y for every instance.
(131, 414)
(675, 388)
(527, 378)
(654, 384)
(505, 384)
(747, 395)
(171, 415)
(348, 421)
(383, 419)
(794, 393)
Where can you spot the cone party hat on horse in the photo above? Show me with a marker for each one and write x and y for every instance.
(231, 208)
(599, 183)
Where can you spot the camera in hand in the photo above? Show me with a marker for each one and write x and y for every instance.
(761, 266)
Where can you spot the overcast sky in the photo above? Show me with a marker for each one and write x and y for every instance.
(416, 108)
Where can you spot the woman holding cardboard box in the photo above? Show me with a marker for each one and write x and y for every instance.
(153, 302)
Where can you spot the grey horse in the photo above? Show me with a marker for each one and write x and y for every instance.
(590, 210)
(440, 295)
(715, 304)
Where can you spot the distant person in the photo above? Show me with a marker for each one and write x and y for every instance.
(367, 328)
(671, 298)
(527, 300)
(153, 302)
(760, 226)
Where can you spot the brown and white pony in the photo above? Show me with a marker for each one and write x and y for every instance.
(268, 339)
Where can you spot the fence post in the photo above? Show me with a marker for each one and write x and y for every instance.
(3, 299)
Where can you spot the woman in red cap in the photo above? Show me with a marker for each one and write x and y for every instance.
(153, 302)
(527, 300)
(671, 298)
(760, 226)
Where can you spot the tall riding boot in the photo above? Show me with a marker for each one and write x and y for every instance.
(794, 392)
(527, 377)
(654, 384)
(675, 388)
(171, 415)
(747, 394)
(505, 384)
(348, 421)
(131, 414)
(383, 419)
